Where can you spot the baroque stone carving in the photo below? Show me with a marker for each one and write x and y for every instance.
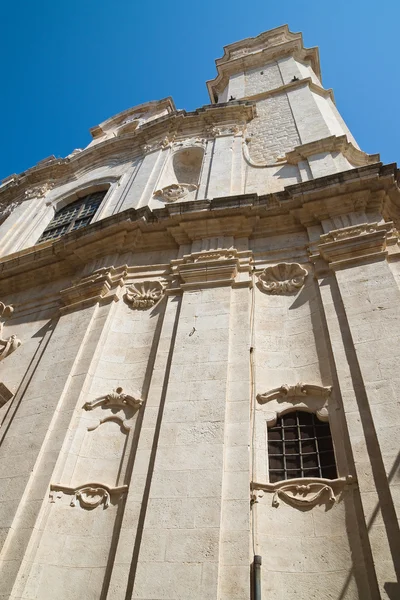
(174, 192)
(305, 492)
(213, 131)
(349, 232)
(12, 343)
(165, 142)
(145, 294)
(38, 191)
(89, 495)
(116, 398)
(283, 278)
(288, 396)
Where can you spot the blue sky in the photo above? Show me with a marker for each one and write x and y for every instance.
(67, 66)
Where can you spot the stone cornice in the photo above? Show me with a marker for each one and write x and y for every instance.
(253, 52)
(353, 245)
(120, 149)
(115, 120)
(292, 85)
(370, 188)
(332, 144)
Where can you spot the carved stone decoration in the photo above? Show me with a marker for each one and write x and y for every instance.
(12, 343)
(286, 397)
(145, 294)
(117, 398)
(124, 423)
(305, 492)
(89, 495)
(38, 191)
(162, 144)
(174, 192)
(283, 278)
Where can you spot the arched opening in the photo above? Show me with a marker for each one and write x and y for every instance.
(181, 176)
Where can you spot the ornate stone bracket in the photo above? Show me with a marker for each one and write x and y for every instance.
(286, 397)
(9, 345)
(144, 294)
(88, 495)
(116, 399)
(303, 492)
(283, 278)
(100, 286)
(174, 192)
(351, 245)
(213, 267)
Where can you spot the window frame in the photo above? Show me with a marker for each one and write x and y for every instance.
(299, 471)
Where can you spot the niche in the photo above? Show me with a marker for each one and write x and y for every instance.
(180, 179)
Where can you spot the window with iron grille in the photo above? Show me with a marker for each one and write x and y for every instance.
(74, 216)
(300, 445)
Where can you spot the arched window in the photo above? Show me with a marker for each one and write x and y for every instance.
(300, 445)
(73, 216)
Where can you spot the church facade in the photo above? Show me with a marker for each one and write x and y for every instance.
(199, 349)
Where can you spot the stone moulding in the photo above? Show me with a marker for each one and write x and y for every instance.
(88, 495)
(100, 286)
(9, 345)
(304, 492)
(115, 399)
(174, 192)
(288, 397)
(283, 278)
(145, 294)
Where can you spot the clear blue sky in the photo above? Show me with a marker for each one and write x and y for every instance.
(67, 66)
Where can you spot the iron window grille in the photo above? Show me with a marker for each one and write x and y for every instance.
(300, 445)
(74, 216)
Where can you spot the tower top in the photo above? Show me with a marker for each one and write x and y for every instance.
(256, 51)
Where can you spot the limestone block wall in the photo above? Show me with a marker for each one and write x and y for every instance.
(315, 546)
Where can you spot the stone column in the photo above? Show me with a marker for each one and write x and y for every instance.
(362, 313)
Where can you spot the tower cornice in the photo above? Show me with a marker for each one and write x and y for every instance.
(253, 52)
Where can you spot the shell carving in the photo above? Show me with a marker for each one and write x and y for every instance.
(174, 192)
(144, 295)
(283, 278)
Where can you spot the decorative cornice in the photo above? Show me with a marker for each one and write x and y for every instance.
(257, 51)
(176, 126)
(303, 492)
(210, 268)
(370, 188)
(333, 143)
(88, 495)
(346, 247)
(101, 285)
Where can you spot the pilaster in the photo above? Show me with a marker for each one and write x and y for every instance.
(361, 308)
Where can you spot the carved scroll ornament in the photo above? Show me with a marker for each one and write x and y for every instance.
(283, 278)
(305, 492)
(117, 398)
(287, 397)
(89, 495)
(144, 294)
(10, 344)
(174, 192)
